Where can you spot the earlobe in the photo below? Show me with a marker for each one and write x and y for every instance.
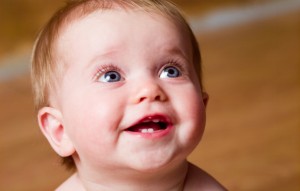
(50, 122)
(205, 98)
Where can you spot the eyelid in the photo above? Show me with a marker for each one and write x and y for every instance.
(176, 64)
(101, 70)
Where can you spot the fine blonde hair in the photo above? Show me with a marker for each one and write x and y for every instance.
(45, 70)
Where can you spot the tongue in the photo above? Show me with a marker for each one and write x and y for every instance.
(148, 125)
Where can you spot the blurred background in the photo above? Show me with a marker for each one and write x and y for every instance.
(251, 64)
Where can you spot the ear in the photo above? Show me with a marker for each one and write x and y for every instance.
(50, 122)
(205, 98)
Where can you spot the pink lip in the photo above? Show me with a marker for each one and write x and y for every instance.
(156, 134)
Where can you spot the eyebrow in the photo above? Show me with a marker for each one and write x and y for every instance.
(176, 51)
(106, 54)
(111, 52)
(93, 63)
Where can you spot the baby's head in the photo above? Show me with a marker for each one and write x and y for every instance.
(111, 51)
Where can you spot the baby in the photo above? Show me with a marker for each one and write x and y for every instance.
(118, 92)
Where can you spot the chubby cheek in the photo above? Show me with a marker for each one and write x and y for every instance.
(192, 118)
(92, 126)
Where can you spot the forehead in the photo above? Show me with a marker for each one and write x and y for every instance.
(106, 30)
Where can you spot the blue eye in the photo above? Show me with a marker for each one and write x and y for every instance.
(111, 76)
(170, 72)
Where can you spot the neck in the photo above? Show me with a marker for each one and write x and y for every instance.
(166, 179)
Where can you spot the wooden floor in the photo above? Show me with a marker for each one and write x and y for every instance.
(251, 143)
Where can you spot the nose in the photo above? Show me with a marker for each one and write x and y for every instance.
(148, 92)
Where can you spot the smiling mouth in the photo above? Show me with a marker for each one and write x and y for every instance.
(150, 125)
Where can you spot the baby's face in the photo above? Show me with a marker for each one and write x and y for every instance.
(130, 97)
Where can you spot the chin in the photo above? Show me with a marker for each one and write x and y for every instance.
(156, 162)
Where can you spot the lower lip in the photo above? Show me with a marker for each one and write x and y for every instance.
(155, 134)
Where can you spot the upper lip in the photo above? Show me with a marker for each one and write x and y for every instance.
(156, 118)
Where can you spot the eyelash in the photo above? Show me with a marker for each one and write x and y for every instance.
(110, 67)
(174, 63)
(104, 69)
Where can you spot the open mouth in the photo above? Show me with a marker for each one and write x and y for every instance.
(150, 125)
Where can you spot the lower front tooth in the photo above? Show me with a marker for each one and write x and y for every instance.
(144, 131)
(150, 130)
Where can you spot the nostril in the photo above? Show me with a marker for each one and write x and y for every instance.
(142, 99)
(152, 98)
(148, 93)
(157, 98)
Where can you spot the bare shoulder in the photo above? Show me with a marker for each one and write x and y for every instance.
(72, 183)
(198, 179)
